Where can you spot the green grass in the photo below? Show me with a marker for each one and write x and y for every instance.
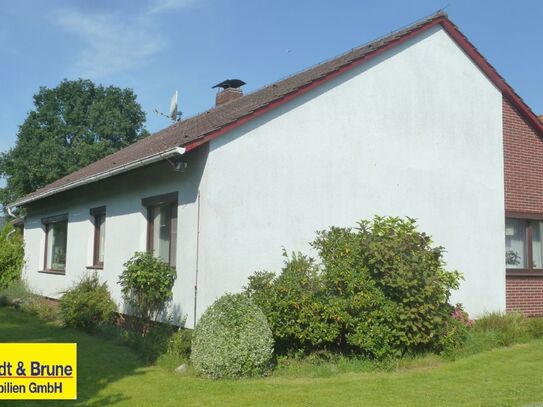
(109, 374)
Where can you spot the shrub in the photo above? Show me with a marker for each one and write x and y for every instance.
(11, 255)
(43, 308)
(380, 290)
(88, 304)
(19, 296)
(232, 339)
(454, 336)
(15, 294)
(295, 316)
(147, 284)
(179, 345)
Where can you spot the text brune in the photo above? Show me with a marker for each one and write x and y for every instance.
(38, 369)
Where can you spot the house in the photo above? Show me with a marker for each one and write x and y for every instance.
(417, 123)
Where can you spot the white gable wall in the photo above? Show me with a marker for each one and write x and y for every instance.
(415, 132)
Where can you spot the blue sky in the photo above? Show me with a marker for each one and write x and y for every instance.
(158, 46)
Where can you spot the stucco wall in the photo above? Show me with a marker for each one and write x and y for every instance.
(416, 132)
(126, 229)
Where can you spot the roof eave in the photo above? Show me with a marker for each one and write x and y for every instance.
(103, 175)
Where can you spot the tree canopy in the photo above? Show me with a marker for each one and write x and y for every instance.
(71, 126)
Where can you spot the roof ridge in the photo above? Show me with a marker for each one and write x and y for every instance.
(196, 128)
(407, 27)
(212, 123)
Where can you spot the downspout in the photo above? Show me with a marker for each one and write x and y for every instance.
(10, 213)
(197, 256)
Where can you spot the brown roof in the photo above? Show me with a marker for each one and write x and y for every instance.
(199, 129)
(541, 118)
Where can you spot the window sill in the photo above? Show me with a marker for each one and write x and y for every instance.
(58, 272)
(95, 267)
(524, 272)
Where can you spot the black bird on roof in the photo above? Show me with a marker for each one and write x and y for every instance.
(229, 83)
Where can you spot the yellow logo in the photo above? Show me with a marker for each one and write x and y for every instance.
(38, 371)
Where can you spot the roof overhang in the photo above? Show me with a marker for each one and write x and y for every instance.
(102, 175)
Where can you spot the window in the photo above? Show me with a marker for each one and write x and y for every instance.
(524, 244)
(162, 226)
(56, 237)
(99, 221)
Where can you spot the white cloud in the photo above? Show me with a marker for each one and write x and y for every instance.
(110, 45)
(115, 42)
(162, 6)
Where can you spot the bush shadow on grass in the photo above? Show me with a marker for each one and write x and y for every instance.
(99, 362)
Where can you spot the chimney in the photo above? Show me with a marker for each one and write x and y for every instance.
(230, 91)
(541, 118)
(227, 95)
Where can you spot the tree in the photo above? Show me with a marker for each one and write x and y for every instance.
(71, 126)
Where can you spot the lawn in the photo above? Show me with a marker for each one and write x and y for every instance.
(112, 375)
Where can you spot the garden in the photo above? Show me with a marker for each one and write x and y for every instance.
(367, 321)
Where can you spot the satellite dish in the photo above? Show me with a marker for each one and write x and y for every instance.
(173, 114)
(173, 107)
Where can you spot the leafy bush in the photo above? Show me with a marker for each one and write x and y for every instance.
(232, 339)
(379, 290)
(88, 304)
(11, 255)
(147, 284)
(179, 344)
(295, 312)
(456, 331)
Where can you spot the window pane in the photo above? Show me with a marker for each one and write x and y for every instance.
(56, 245)
(101, 224)
(161, 232)
(537, 232)
(515, 243)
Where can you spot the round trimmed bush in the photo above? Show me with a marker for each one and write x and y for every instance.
(232, 339)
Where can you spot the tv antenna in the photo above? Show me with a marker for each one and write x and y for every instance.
(173, 114)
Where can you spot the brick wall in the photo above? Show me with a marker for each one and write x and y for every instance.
(525, 294)
(523, 155)
(523, 162)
